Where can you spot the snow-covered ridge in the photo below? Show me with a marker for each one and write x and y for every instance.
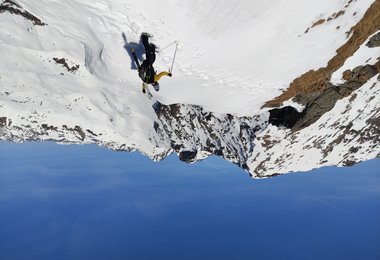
(71, 81)
(188, 130)
(262, 150)
(347, 134)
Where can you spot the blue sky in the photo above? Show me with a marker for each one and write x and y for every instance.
(86, 202)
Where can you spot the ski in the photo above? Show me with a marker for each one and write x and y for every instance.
(135, 58)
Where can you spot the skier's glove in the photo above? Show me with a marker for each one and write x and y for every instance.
(170, 74)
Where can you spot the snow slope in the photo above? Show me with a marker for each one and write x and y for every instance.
(233, 57)
(246, 51)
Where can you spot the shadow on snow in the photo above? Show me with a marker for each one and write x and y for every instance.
(139, 50)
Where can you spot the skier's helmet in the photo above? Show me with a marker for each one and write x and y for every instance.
(156, 86)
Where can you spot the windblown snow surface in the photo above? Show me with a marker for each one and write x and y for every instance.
(233, 57)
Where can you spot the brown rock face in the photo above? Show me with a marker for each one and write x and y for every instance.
(317, 104)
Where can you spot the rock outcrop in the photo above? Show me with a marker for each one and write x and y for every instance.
(194, 133)
(318, 103)
(16, 9)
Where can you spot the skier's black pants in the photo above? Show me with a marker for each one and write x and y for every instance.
(150, 51)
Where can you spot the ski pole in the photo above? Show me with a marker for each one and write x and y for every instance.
(175, 52)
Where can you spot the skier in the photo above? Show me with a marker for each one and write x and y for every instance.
(146, 69)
